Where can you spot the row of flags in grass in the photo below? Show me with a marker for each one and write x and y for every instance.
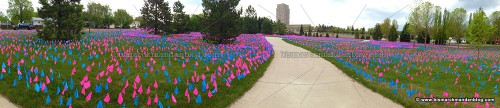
(89, 71)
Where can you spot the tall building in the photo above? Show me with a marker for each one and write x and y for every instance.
(283, 13)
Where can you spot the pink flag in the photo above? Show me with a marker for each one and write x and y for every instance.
(397, 80)
(74, 62)
(227, 84)
(137, 79)
(186, 93)
(134, 93)
(88, 69)
(106, 99)
(89, 96)
(47, 80)
(155, 85)
(22, 61)
(380, 74)
(148, 90)
(19, 72)
(109, 79)
(209, 94)
(476, 95)
(163, 67)
(86, 85)
(149, 101)
(445, 94)
(195, 92)
(120, 98)
(36, 79)
(3, 70)
(183, 65)
(156, 99)
(173, 98)
(140, 89)
(73, 71)
(196, 63)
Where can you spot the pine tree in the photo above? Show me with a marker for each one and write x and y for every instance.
(220, 20)
(301, 30)
(62, 20)
(377, 34)
(405, 35)
(393, 34)
(356, 34)
(327, 35)
(156, 16)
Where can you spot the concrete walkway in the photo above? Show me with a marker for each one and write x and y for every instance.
(307, 82)
(4, 103)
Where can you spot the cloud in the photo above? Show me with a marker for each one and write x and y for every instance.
(476, 4)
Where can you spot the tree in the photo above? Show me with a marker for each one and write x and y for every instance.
(405, 35)
(362, 33)
(385, 27)
(495, 21)
(62, 20)
(3, 17)
(220, 20)
(421, 21)
(139, 19)
(478, 29)
(279, 28)
(327, 35)
(122, 18)
(195, 22)
(457, 24)
(441, 27)
(157, 17)
(180, 18)
(377, 32)
(393, 34)
(107, 21)
(250, 21)
(310, 31)
(301, 30)
(98, 14)
(356, 34)
(267, 26)
(20, 11)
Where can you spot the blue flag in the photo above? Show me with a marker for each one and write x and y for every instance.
(47, 100)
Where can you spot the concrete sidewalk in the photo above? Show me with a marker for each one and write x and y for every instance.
(4, 103)
(307, 82)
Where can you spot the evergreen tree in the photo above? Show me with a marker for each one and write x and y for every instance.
(157, 17)
(267, 26)
(301, 30)
(356, 34)
(220, 20)
(377, 34)
(62, 20)
(405, 35)
(327, 35)
(180, 19)
(393, 34)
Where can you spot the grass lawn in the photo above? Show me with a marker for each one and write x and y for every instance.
(40, 74)
(402, 73)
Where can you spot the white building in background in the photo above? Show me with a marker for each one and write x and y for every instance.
(135, 24)
(36, 21)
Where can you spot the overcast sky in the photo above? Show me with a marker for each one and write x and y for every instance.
(340, 13)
